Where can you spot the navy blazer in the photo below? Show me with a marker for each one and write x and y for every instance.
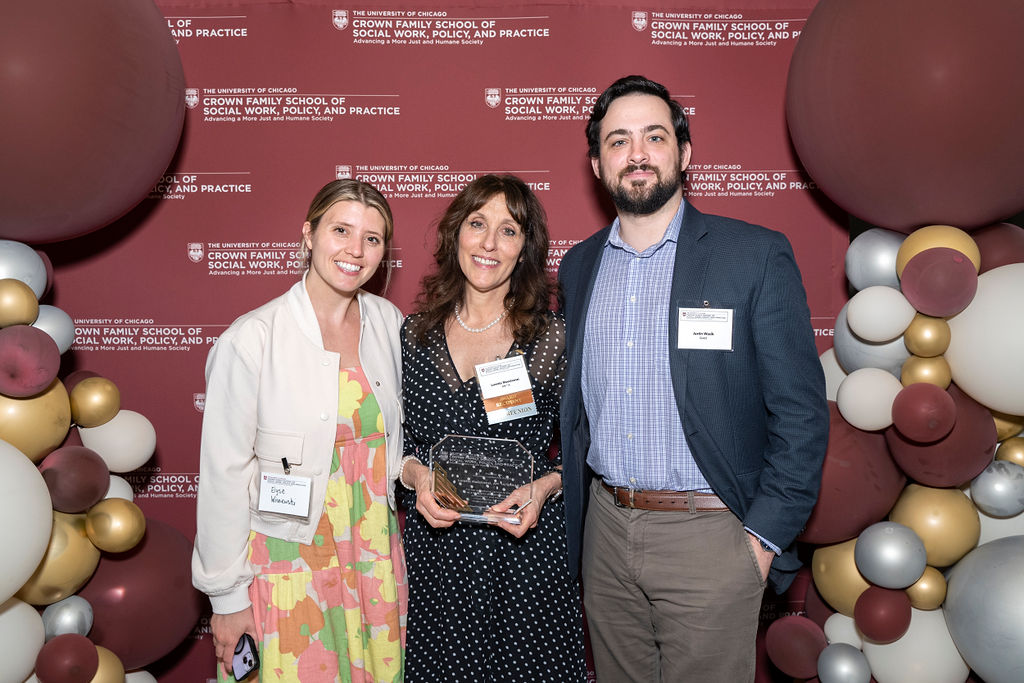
(756, 418)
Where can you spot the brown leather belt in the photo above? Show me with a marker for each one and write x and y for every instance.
(640, 499)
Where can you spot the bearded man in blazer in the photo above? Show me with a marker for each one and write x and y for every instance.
(694, 421)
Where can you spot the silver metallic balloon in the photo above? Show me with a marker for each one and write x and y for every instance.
(843, 663)
(871, 258)
(890, 555)
(983, 609)
(999, 490)
(854, 353)
(21, 262)
(58, 324)
(73, 614)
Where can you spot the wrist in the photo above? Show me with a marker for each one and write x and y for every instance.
(554, 485)
(409, 462)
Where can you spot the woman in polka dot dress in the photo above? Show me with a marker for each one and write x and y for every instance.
(487, 603)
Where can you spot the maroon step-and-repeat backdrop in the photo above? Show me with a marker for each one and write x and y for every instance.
(417, 98)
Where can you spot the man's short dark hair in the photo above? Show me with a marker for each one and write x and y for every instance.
(633, 85)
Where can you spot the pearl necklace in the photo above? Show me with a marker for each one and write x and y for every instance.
(486, 327)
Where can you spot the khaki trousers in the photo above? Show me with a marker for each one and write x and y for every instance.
(670, 597)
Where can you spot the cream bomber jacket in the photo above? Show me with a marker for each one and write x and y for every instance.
(272, 393)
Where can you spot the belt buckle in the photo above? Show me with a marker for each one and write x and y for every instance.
(619, 503)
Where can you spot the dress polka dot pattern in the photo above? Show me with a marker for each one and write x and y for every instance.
(484, 605)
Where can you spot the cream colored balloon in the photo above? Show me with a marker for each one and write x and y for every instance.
(879, 313)
(945, 519)
(38, 424)
(18, 303)
(932, 236)
(836, 577)
(865, 398)
(69, 562)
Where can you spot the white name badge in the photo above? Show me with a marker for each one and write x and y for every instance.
(705, 328)
(506, 390)
(285, 494)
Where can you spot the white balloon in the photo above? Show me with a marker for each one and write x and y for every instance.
(840, 628)
(125, 442)
(879, 314)
(139, 676)
(21, 262)
(854, 353)
(27, 514)
(119, 488)
(871, 258)
(21, 637)
(924, 653)
(58, 324)
(834, 373)
(985, 351)
(865, 398)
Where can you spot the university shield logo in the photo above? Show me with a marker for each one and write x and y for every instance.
(195, 252)
(199, 402)
(343, 171)
(492, 96)
(340, 19)
(191, 97)
(639, 20)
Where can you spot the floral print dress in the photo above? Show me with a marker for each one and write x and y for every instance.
(335, 610)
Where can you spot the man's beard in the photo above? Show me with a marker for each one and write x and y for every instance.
(645, 199)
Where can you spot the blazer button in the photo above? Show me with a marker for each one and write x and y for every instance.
(324, 416)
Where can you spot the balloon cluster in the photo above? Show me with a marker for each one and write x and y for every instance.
(918, 532)
(75, 543)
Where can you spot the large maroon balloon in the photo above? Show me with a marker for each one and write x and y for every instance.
(907, 113)
(793, 644)
(142, 600)
(859, 483)
(923, 412)
(955, 459)
(882, 614)
(1000, 245)
(67, 658)
(939, 282)
(77, 478)
(29, 360)
(93, 110)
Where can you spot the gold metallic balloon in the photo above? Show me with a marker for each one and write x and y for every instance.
(836, 577)
(110, 670)
(18, 303)
(932, 236)
(69, 562)
(945, 519)
(929, 591)
(927, 336)
(1007, 425)
(94, 401)
(115, 525)
(1012, 450)
(932, 370)
(38, 424)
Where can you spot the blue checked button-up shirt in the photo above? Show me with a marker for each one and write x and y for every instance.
(636, 431)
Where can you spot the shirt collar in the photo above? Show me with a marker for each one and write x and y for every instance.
(671, 233)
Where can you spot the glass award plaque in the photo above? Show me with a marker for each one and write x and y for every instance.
(472, 473)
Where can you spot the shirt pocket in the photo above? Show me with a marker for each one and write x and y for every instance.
(273, 447)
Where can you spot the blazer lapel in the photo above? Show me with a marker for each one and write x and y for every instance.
(693, 253)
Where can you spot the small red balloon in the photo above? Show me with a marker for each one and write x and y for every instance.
(794, 643)
(923, 412)
(77, 478)
(939, 282)
(68, 658)
(882, 614)
(954, 459)
(29, 361)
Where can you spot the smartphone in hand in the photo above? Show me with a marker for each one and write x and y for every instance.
(246, 659)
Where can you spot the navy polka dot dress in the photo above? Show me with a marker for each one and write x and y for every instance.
(485, 606)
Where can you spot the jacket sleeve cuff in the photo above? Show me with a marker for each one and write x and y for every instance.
(234, 601)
